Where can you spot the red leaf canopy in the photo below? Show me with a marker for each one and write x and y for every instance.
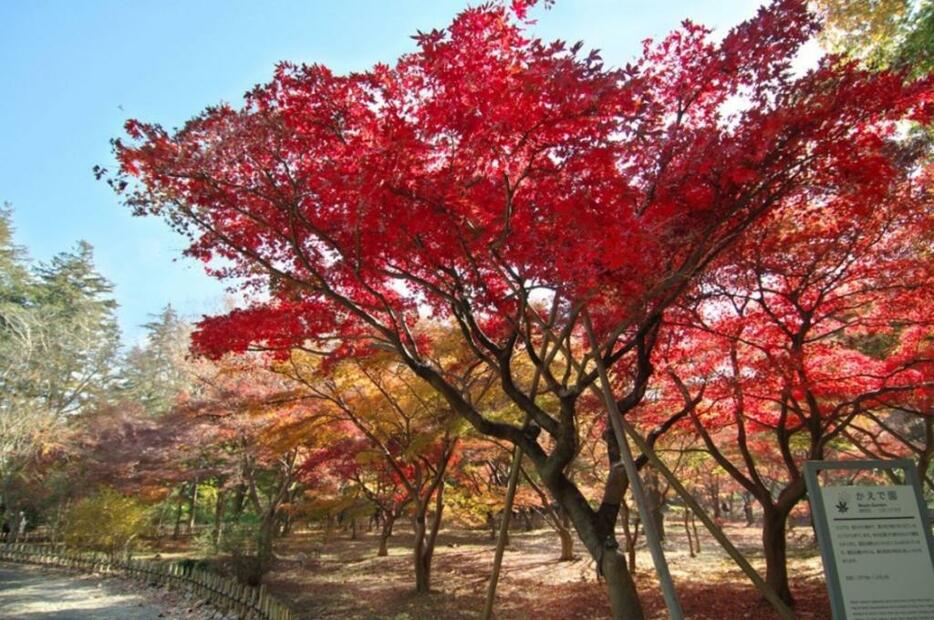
(487, 169)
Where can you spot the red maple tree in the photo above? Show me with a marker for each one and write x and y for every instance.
(488, 171)
(815, 319)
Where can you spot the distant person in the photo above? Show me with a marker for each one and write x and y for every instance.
(6, 531)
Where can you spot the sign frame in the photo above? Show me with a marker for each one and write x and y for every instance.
(819, 515)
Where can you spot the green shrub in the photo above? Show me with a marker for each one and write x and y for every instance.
(248, 561)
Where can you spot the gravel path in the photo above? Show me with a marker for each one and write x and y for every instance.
(34, 593)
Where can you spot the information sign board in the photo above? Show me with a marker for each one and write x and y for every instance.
(875, 542)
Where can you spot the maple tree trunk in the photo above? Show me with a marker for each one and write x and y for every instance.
(694, 528)
(218, 518)
(422, 572)
(178, 515)
(624, 600)
(191, 507)
(747, 509)
(421, 557)
(924, 459)
(563, 526)
(385, 533)
(687, 531)
(656, 501)
(567, 545)
(630, 535)
(239, 499)
(658, 517)
(425, 538)
(715, 500)
(266, 531)
(328, 528)
(773, 543)
(596, 531)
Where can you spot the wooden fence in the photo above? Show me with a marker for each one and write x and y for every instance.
(224, 593)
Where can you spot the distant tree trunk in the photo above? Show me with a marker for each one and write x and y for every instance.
(328, 528)
(285, 524)
(238, 500)
(557, 517)
(527, 519)
(563, 527)
(219, 506)
(630, 534)
(178, 514)
(713, 489)
(687, 531)
(747, 509)
(656, 501)
(927, 453)
(191, 506)
(694, 528)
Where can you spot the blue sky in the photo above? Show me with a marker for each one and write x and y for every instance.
(71, 72)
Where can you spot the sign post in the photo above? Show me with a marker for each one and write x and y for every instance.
(875, 543)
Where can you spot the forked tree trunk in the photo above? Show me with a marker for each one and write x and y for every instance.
(425, 537)
(596, 530)
(630, 534)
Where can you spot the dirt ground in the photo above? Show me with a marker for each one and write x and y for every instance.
(39, 593)
(348, 581)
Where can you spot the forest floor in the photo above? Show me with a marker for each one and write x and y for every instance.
(346, 579)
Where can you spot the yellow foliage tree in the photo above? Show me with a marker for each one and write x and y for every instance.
(106, 521)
